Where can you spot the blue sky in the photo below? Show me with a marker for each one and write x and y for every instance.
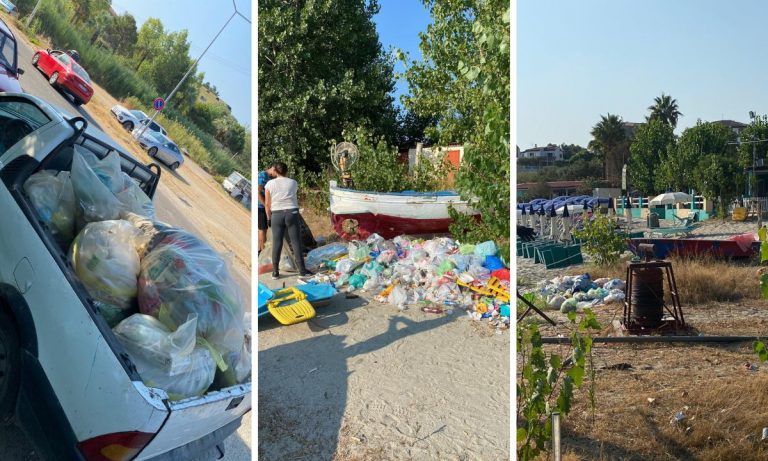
(227, 64)
(580, 59)
(398, 24)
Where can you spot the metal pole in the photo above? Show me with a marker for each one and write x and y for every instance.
(32, 14)
(178, 85)
(556, 436)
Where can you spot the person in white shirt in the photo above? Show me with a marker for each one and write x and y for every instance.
(281, 204)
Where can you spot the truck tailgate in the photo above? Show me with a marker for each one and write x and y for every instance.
(191, 419)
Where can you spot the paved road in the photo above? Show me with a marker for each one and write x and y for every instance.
(13, 443)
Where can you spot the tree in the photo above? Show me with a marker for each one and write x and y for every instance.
(652, 143)
(757, 130)
(122, 34)
(412, 128)
(100, 24)
(321, 70)
(569, 150)
(711, 170)
(464, 81)
(696, 142)
(610, 141)
(149, 41)
(83, 10)
(664, 109)
(539, 190)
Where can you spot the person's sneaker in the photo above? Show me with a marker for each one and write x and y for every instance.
(275, 276)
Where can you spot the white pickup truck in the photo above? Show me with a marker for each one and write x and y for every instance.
(65, 379)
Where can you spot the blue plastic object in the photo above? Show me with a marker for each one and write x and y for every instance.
(504, 310)
(317, 291)
(493, 263)
(264, 295)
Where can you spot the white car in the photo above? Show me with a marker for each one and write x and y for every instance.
(131, 119)
(64, 376)
(159, 147)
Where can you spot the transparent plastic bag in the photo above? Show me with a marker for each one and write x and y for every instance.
(398, 297)
(182, 275)
(315, 258)
(105, 259)
(358, 251)
(95, 200)
(134, 200)
(167, 360)
(346, 266)
(52, 196)
(108, 169)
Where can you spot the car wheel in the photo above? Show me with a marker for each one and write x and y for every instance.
(128, 125)
(35, 59)
(54, 78)
(10, 367)
(77, 102)
(152, 152)
(174, 166)
(239, 198)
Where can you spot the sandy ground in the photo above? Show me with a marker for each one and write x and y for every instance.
(364, 381)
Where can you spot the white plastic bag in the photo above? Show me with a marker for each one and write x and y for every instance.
(134, 200)
(95, 200)
(167, 360)
(105, 259)
(398, 297)
(52, 196)
(346, 265)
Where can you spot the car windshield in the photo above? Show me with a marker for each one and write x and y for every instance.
(18, 118)
(155, 127)
(81, 72)
(138, 114)
(62, 57)
(8, 52)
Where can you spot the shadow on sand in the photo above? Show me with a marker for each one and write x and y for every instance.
(303, 385)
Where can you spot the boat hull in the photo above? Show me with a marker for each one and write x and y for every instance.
(723, 249)
(358, 214)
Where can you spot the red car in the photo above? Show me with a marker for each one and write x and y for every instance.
(65, 73)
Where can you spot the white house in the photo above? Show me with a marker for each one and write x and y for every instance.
(549, 152)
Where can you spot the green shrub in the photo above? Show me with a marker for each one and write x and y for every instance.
(601, 241)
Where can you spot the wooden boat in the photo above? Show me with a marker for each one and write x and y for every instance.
(739, 246)
(358, 214)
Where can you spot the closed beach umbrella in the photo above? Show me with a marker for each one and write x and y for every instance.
(542, 222)
(552, 222)
(566, 224)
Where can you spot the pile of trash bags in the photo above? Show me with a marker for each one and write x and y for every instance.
(571, 293)
(439, 275)
(167, 295)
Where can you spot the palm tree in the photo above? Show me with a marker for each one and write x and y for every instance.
(664, 109)
(609, 139)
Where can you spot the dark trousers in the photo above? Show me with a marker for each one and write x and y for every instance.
(283, 220)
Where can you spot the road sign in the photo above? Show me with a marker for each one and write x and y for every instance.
(158, 103)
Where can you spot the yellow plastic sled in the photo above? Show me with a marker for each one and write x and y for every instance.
(290, 306)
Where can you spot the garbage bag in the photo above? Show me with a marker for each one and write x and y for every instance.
(486, 249)
(104, 257)
(357, 281)
(556, 301)
(95, 200)
(346, 266)
(358, 251)
(52, 196)
(615, 284)
(167, 360)
(238, 369)
(386, 257)
(569, 305)
(181, 275)
(467, 249)
(398, 297)
(108, 169)
(315, 258)
(134, 199)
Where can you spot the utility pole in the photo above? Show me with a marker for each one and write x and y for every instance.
(32, 14)
(189, 71)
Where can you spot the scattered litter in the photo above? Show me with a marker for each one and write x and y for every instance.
(572, 293)
(765, 434)
(425, 274)
(651, 400)
(678, 418)
(312, 370)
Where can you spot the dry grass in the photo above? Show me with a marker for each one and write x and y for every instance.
(725, 407)
(700, 280)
